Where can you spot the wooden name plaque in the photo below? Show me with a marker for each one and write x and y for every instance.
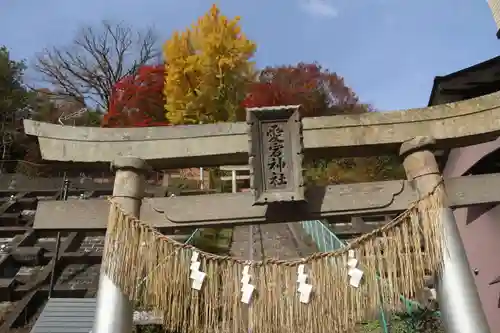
(275, 154)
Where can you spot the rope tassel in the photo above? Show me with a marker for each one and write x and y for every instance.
(155, 271)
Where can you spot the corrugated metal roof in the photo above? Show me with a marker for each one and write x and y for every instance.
(76, 315)
(66, 315)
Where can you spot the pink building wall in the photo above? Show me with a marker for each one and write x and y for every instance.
(480, 231)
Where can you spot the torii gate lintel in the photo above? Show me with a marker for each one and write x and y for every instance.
(452, 125)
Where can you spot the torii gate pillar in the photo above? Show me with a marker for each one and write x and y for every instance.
(459, 301)
(114, 312)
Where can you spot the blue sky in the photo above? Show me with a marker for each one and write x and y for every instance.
(388, 51)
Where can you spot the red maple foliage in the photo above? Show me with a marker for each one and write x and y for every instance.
(318, 91)
(137, 100)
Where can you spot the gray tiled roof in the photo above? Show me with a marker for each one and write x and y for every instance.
(76, 315)
(66, 315)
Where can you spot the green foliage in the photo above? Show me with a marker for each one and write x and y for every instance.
(14, 98)
(214, 240)
(354, 170)
(149, 329)
(13, 94)
(418, 321)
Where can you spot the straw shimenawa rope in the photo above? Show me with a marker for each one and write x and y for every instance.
(154, 270)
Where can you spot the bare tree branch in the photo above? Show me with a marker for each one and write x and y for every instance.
(96, 60)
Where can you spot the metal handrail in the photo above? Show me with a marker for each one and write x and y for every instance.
(326, 240)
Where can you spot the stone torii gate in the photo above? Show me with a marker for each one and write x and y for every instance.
(416, 133)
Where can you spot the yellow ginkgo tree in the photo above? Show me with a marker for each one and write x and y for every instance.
(208, 67)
